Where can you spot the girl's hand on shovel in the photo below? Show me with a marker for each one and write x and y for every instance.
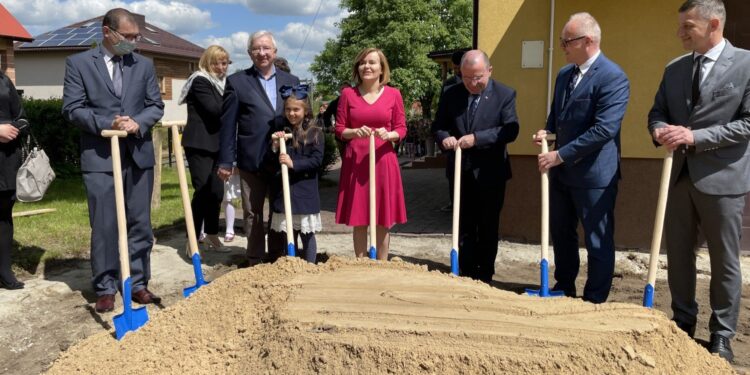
(286, 160)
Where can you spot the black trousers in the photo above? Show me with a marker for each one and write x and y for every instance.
(479, 223)
(209, 190)
(6, 233)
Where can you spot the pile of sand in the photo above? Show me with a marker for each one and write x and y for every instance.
(359, 316)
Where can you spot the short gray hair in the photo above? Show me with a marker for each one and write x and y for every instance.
(470, 57)
(588, 26)
(707, 9)
(259, 34)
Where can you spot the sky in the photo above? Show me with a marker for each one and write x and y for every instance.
(227, 23)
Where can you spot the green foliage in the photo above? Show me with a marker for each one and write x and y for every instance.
(57, 137)
(406, 31)
(330, 154)
(65, 233)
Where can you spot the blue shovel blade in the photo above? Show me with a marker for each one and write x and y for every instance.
(130, 319)
(290, 250)
(199, 281)
(454, 262)
(373, 252)
(648, 296)
(544, 290)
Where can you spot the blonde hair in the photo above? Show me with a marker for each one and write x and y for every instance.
(212, 55)
(385, 74)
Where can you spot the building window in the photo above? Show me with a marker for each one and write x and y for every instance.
(162, 84)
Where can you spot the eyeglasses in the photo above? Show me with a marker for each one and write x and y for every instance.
(473, 79)
(565, 42)
(129, 38)
(262, 49)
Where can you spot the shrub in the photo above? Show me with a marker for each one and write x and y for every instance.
(330, 154)
(57, 137)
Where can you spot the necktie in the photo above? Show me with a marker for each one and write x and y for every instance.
(473, 108)
(117, 75)
(571, 84)
(697, 80)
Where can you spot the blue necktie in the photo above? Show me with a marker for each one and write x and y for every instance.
(571, 84)
(473, 108)
(117, 75)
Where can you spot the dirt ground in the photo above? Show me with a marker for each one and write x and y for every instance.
(55, 312)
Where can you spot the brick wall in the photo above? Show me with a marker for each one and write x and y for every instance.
(7, 62)
(167, 69)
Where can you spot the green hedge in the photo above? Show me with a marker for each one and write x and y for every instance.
(330, 154)
(57, 137)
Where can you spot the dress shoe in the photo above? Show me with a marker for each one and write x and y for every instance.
(720, 345)
(212, 242)
(687, 328)
(105, 303)
(144, 296)
(12, 285)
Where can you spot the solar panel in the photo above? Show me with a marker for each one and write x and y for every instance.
(68, 37)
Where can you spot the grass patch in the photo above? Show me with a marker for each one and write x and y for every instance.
(65, 234)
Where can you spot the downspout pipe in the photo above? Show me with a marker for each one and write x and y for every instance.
(550, 52)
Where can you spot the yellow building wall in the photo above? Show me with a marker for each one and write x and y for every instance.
(638, 35)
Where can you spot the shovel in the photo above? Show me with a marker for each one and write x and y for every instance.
(543, 290)
(290, 249)
(456, 209)
(130, 319)
(195, 256)
(661, 208)
(373, 221)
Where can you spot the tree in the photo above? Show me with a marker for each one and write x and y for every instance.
(406, 31)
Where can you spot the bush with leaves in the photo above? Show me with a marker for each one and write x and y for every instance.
(57, 137)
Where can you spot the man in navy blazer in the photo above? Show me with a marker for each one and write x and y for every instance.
(252, 110)
(111, 87)
(591, 95)
(479, 116)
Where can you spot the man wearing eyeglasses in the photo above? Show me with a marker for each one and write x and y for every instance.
(591, 94)
(252, 110)
(112, 87)
(479, 116)
(702, 114)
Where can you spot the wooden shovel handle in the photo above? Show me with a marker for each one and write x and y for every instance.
(122, 229)
(373, 219)
(287, 193)
(661, 208)
(456, 196)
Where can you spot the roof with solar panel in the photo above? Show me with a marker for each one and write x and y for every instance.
(86, 34)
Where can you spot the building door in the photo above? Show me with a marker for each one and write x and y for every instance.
(738, 33)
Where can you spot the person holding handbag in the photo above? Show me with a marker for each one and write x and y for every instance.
(13, 128)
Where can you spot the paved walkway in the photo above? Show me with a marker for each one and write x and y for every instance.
(425, 192)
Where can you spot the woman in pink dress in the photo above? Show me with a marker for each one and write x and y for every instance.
(370, 107)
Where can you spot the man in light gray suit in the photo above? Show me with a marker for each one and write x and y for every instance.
(702, 113)
(110, 87)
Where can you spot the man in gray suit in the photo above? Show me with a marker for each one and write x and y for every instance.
(111, 87)
(702, 113)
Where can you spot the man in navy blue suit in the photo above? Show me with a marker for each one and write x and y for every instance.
(252, 110)
(112, 87)
(591, 95)
(479, 116)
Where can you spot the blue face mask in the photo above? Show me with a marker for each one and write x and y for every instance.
(123, 47)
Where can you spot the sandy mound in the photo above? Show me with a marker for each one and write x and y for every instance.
(349, 316)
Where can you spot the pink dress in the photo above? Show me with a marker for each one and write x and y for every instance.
(354, 197)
